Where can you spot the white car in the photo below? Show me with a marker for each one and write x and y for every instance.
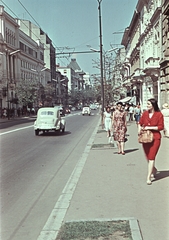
(93, 107)
(49, 119)
(86, 110)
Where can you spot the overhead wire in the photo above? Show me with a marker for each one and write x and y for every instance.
(25, 24)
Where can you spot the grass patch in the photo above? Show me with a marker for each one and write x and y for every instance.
(101, 145)
(95, 230)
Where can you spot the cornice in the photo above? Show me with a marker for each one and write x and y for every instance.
(156, 14)
(8, 17)
(166, 9)
(140, 4)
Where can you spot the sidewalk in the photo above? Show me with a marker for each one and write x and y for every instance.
(114, 186)
(6, 120)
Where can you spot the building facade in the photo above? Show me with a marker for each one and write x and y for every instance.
(146, 45)
(21, 59)
(164, 63)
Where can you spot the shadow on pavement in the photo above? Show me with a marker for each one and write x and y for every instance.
(53, 134)
(131, 150)
(161, 175)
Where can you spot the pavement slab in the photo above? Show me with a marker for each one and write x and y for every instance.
(114, 186)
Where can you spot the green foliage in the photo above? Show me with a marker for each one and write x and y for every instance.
(82, 96)
(27, 92)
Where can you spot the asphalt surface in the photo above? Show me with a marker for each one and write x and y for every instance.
(106, 185)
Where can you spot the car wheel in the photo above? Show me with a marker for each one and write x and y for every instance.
(36, 132)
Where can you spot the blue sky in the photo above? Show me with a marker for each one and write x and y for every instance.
(74, 24)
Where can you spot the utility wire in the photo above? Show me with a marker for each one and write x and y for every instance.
(67, 57)
(29, 13)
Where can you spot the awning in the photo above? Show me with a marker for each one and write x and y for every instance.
(127, 99)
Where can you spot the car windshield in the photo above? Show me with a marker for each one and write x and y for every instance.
(47, 113)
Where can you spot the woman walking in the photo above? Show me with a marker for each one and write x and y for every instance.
(107, 118)
(152, 120)
(165, 112)
(119, 127)
(137, 113)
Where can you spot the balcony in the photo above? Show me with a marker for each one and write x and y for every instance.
(138, 76)
(152, 67)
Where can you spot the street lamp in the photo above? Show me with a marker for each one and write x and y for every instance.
(101, 60)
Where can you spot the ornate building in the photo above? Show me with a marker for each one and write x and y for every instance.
(164, 63)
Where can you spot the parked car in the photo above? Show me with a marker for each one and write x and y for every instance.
(93, 107)
(49, 119)
(73, 109)
(67, 110)
(86, 110)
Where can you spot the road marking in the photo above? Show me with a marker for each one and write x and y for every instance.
(54, 222)
(15, 130)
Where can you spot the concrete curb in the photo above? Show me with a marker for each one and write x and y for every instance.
(56, 218)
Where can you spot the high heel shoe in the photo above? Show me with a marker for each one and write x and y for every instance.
(149, 182)
(119, 152)
(123, 153)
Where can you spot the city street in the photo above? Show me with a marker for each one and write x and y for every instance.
(34, 171)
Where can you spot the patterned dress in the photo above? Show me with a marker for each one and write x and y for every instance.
(119, 128)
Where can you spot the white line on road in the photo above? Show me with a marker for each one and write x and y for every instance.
(15, 130)
(54, 222)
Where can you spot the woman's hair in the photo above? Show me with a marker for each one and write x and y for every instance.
(120, 103)
(154, 104)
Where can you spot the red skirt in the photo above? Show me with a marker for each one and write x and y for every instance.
(151, 149)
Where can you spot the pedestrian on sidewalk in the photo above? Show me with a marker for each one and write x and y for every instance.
(165, 112)
(152, 120)
(131, 112)
(119, 124)
(107, 120)
(137, 113)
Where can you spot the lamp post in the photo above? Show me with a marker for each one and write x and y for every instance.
(101, 60)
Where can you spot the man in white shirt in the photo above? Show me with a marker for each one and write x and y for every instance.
(131, 112)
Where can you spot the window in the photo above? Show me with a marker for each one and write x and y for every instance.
(49, 113)
(21, 45)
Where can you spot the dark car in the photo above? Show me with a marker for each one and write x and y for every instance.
(67, 110)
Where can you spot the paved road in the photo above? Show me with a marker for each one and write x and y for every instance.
(34, 171)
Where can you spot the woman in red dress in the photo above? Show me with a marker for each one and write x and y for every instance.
(152, 119)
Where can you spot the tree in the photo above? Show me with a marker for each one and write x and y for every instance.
(84, 96)
(27, 92)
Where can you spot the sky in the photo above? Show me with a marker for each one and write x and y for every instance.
(73, 25)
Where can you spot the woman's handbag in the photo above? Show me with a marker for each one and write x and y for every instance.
(145, 136)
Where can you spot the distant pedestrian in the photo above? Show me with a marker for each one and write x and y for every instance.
(137, 113)
(4, 114)
(19, 111)
(107, 119)
(152, 120)
(127, 111)
(165, 112)
(119, 124)
(131, 112)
